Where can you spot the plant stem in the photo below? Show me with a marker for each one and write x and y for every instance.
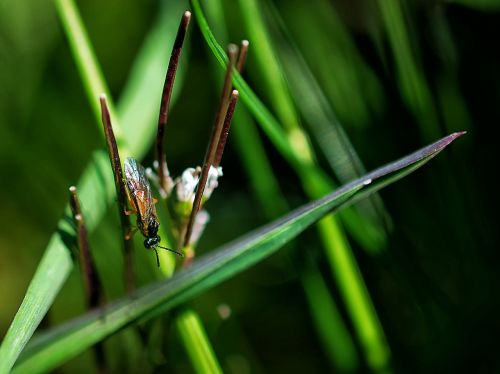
(196, 342)
(163, 174)
(213, 143)
(121, 194)
(91, 281)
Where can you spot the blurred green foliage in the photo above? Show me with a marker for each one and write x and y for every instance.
(435, 285)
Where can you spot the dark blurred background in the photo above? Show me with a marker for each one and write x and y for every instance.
(435, 285)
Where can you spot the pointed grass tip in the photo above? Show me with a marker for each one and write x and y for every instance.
(450, 138)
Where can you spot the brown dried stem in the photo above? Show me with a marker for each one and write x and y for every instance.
(121, 193)
(91, 281)
(232, 52)
(163, 173)
(225, 129)
(242, 57)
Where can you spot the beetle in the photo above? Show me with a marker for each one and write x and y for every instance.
(143, 204)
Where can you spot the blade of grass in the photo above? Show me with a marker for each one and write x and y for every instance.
(322, 120)
(96, 185)
(335, 243)
(53, 348)
(266, 188)
(367, 235)
(256, 164)
(196, 341)
(86, 62)
(411, 78)
(337, 342)
(348, 82)
(271, 75)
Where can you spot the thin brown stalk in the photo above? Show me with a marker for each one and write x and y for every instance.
(163, 173)
(90, 279)
(91, 282)
(226, 127)
(242, 57)
(240, 64)
(232, 52)
(121, 193)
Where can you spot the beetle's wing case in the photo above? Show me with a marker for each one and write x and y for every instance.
(140, 192)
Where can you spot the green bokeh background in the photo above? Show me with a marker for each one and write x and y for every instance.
(435, 286)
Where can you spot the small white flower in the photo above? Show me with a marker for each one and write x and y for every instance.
(187, 185)
(154, 178)
(212, 183)
(200, 223)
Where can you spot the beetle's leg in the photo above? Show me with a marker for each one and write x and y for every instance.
(131, 233)
(130, 212)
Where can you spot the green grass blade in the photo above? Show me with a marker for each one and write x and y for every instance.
(196, 342)
(51, 349)
(326, 43)
(57, 262)
(335, 339)
(410, 76)
(312, 102)
(334, 240)
(38, 298)
(270, 71)
(86, 62)
(367, 235)
(96, 186)
(323, 122)
(337, 342)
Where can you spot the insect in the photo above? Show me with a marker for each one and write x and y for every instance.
(143, 204)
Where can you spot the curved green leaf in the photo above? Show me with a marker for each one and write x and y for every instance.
(56, 346)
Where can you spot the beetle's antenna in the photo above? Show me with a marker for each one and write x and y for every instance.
(172, 250)
(157, 258)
